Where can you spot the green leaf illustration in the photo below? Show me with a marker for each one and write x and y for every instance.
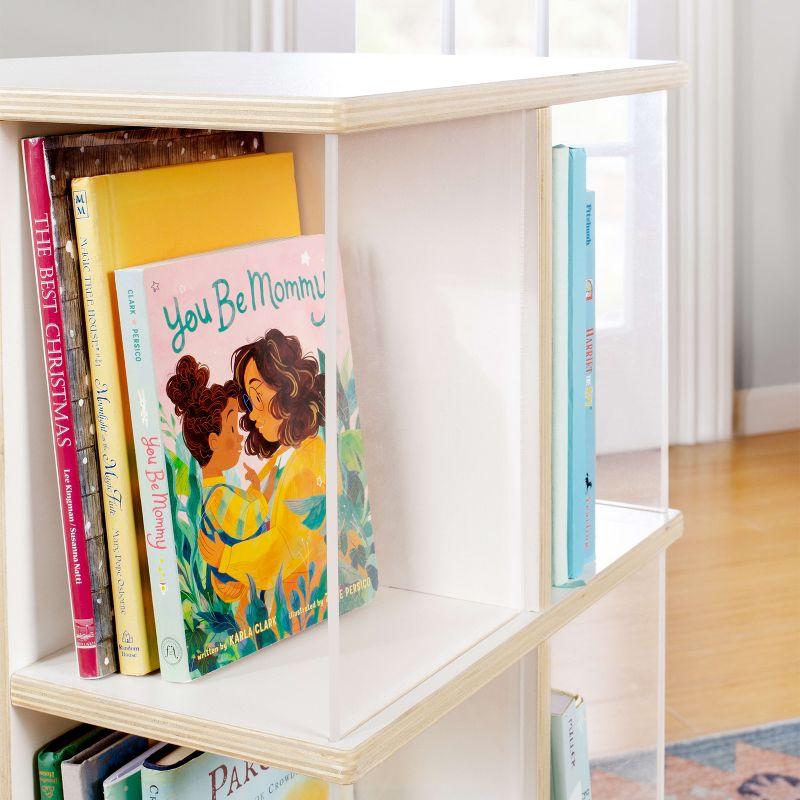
(312, 509)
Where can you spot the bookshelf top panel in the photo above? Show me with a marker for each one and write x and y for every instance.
(308, 92)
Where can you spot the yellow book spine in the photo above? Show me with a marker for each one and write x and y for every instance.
(135, 628)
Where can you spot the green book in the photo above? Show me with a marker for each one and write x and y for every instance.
(50, 757)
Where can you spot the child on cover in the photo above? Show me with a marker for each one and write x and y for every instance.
(210, 424)
(282, 394)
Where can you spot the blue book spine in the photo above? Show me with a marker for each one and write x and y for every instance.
(560, 433)
(152, 471)
(589, 393)
(577, 463)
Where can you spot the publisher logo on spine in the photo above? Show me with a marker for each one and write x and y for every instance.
(81, 204)
(171, 650)
(85, 636)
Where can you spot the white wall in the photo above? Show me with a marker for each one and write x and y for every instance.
(767, 192)
(68, 27)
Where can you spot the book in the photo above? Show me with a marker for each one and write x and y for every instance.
(50, 164)
(589, 394)
(50, 758)
(569, 748)
(132, 218)
(84, 773)
(176, 773)
(126, 782)
(226, 372)
(560, 431)
(580, 510)
(78, 773)
(73, 443)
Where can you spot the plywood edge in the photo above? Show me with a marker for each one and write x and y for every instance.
(352, 757)
(315, 760)
(411, 108)
(334, 115)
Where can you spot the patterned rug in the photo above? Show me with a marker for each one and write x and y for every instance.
(760, 764)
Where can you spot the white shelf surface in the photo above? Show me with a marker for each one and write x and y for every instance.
(408, 659)
(308, 92)
(402, 637)
(620, 529)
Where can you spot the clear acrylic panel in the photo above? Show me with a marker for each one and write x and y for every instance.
(613, 656)
(625, 140)
(437, 232)
(485, 748)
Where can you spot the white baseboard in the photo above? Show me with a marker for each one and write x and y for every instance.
(767, 409)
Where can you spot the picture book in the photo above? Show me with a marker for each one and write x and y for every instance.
(560, 432)
(580, 511)
(126, 782)
(133, 218)
(226, 370)
(569, 748)
(51, 162)
(50, 758)
(175, 773)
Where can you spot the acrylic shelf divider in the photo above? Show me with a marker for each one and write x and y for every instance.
(437, 638)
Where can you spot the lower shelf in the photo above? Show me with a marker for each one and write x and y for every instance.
(407, 659)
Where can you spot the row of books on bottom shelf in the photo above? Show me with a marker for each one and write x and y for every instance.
(91, 763)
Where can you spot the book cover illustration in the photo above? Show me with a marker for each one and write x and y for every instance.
(231, 344)
(179, 773)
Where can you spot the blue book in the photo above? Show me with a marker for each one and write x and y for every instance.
(579, 522)
(589, 393)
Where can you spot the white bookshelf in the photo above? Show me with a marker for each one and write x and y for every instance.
(433, 174)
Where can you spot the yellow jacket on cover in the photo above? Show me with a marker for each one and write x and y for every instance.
(130, 219)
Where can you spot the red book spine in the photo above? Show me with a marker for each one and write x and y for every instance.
(63, 424)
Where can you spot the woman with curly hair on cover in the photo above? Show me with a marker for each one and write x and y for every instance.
(209, 417)
(281, 392)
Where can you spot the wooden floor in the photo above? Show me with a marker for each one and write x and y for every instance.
(733, 586)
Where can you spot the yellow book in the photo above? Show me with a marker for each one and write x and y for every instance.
(126, 220)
